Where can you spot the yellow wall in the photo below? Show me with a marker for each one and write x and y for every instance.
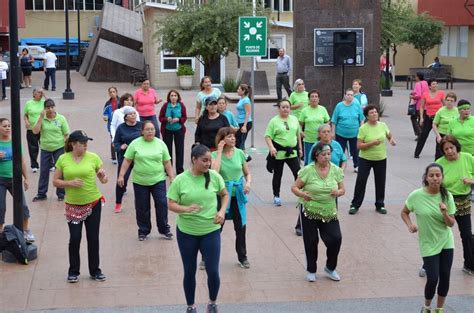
(52, 24)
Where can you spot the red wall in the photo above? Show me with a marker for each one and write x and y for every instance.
(4, 20)
(452, 12)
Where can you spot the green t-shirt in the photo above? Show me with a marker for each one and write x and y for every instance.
(433, 233)
(86, 170)
(298, 98)
(284, 133)
(443, 117)
(455, 171)
(323, 205)
(53, 133)
(187, 189)
(368, 133)
(6, 162)
(231, 168)
(312, 119)
(33, 110)
(148, 160)
(464, 133)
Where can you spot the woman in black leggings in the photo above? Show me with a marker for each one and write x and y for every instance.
(434, 208)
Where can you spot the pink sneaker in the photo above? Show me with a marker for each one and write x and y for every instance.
(118, 207)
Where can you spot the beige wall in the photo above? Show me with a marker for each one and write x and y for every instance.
(52, 24)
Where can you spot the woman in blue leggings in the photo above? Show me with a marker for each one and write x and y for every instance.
(193, 195)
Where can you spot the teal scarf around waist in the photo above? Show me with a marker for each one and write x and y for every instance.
(241, 199)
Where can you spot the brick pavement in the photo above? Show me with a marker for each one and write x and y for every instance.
(378, 259)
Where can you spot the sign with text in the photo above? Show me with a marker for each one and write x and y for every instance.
(324, 45)
(252, 36)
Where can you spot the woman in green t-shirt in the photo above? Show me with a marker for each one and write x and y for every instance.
(193, 195)
(76, 172)
(458, 177)
(372, 155)
(298, 98)
(231, 163)
(317, 186)
(6, 178)
(151, 164)
(434, 208)
(442, 119)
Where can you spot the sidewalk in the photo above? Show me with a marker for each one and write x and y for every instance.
(378, 263)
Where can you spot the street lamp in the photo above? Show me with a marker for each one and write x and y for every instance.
(68, 94)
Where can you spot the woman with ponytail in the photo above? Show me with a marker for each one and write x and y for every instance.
(434, 209)
(193, 195)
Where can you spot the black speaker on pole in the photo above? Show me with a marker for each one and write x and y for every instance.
(344, 48)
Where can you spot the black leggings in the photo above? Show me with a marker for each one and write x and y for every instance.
(293, 164)
(438, 268)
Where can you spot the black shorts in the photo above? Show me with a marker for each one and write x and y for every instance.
(26, 71)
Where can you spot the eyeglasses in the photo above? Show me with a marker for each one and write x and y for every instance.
(349, 95)
(286, 125)
(301, 84)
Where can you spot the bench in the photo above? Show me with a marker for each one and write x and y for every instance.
(441, 74)
(137, 76)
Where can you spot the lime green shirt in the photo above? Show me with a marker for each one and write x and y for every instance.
(148, 160)
(433, 233)
(455, 171)
(187, 189)
(86, 170)
(443, 117)
(322, 205)
(298, 98)
(369, 133)
(464, 133)
(284, 133)
(231, 168)
(53, 133)
(33, 110)
(312, 119)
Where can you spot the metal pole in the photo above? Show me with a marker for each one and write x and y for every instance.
(15, 116)
(252, 85)
(67, 94)
(79, 60)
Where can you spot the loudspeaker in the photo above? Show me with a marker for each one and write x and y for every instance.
(344, 48)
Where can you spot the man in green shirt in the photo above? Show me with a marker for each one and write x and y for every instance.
(54, 130)
(33, 109)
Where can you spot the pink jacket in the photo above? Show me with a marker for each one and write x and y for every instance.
(420, 88)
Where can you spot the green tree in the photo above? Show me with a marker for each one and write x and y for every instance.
(394, 29)
(425, 32)
(207, 32)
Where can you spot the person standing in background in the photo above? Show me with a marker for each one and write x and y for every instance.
(33, 109)
(49, 66)
(3, 77)
(26, 61)
(283, 70)
(109, 108)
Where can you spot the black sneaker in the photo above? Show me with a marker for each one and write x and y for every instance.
(60, 198)
(98, 277)
(381, 210)
(298, 232)
(249, 158)
(353, 210)
(39, 198)
(53, 89)
(72, 279)
(141, 237)
(212, 308)
(168, 236)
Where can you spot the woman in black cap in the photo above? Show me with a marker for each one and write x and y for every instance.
(209, 124)
(76, 172)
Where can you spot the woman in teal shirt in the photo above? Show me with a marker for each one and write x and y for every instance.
(193, 195)
(231, 163)
(434, 208)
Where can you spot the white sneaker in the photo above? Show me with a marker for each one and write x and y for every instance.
(277, 201)
(311, 277)
(35, 170)
(29, 237)
(52, 169)
(422, 272)
(332, 274)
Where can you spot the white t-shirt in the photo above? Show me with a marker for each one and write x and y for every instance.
(3, 70)
(50, 59)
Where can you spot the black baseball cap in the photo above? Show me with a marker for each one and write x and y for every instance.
(79, 135)
(211, 100)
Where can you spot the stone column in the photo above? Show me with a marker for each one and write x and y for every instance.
(311, 14)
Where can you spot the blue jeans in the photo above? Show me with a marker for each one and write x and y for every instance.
(210, 247)
(143, 207)
(47, 160)
(154, 120)
(50, 73)
(352, 148)
(307, 150)
(6, 184)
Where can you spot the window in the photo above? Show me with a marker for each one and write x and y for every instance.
(59, 5)
(279, 5)
(39, 5)
(170, 63)
(275, 42)
(455, 42)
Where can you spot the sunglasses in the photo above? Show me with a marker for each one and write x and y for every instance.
(286, 125)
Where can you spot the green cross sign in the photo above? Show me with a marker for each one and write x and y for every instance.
(252, 36)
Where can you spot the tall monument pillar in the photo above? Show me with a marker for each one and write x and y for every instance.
(313, 49)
